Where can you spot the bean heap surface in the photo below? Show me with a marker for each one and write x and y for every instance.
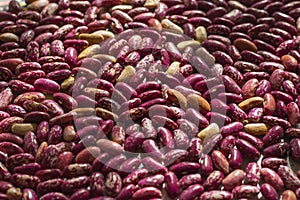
(150, 99)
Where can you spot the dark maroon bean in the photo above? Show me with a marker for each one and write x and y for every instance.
(261, 45)
(273, 162)
(248, 149)
(223, 21)
(212, 45)
(234, 54)
(191, 192)
(172, 184)
(227, 144)
(235, 160)
(270, 38)
(278, 150)
(286, 26)
(73, 184)
(250, 56)
(271, 120)
(266, 20)
(206, 164)
(273, 136)
(258, 12)
(245, 18)
(231, 128)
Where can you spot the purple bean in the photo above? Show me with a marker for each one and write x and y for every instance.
(191, 192)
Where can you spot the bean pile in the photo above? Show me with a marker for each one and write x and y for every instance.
(150, 99)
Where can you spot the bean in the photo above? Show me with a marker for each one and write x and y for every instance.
(252, 173)
(273, 162)
(172, 184)
(235, 160)
(49, 186)
(233, 179)
(48, 174)
(214, 180)
(271, 150)
(245, 191)
(56, 195)
(29, 194)
(81, 194)
(220, 161)
(288, 194)
(268, 191)
(191, 192)
(127, 192)
(291, 181)
(214, 194)
(73, 184)
(147, 192)
(25, 181)
(272, 178)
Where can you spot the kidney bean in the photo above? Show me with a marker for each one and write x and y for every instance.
(237, 113)
(48, 174)
(273, 162)
(233, 179)
(288, 194)
(147, 192)
(29, 194)
(4, 172)
(52, 185)
(245, 146)
(75, 170)
(15, 110)
(231, 128)
(216, 194)
(113, 184)
(268, 191)
(211, 143)
(227, 144)
(220, 161)
(245, 191)
(172, 184)
(272, 178)
(97, 184)
(295, 148)
(255, 114)
(5, 186)
(191, 192)
(127, 192)
(52, 195)
(214, 180)
(24, 181)
(81, 194)
(206, 164)
(152, 181)
(19, 159)
(135, 176)
(272, 150)
(73, 184)
(291, 181)
(252, 173)
(190, 179)
(175, 156)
